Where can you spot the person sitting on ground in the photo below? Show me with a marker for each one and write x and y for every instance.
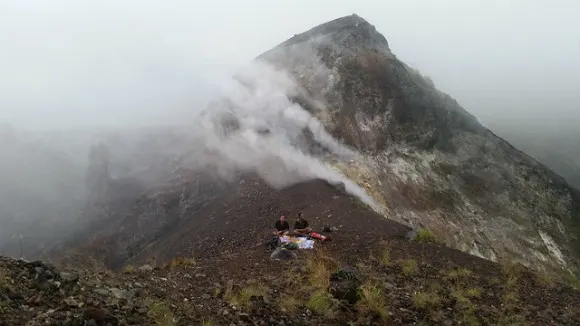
(301, 226)
(282, 226)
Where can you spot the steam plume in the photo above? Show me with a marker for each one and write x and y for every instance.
(257, 128)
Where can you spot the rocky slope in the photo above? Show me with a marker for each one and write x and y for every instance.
(428, 161)
(371, 273)
(421, 157)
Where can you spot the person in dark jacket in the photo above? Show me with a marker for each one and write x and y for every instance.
(301, 226)
(281, 226)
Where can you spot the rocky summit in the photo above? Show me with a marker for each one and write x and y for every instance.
(424, 157)
(431, 218)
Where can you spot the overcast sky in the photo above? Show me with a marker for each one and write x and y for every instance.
(81, 63)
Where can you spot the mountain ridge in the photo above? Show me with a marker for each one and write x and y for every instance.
(377, 104)
(454, 209)
(422, 158)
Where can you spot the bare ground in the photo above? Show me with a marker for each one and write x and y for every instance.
(227, 277)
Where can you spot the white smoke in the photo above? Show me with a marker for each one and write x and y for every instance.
(257, 128)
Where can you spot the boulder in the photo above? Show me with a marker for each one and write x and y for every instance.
(344, 284)
(283, 254)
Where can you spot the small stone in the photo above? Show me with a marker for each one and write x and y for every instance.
(100, 315)
(91, 322)
(123, 294)
(225, 312)
(69, 277)
(245, 317)
(146, 268)
(199, 275)
(101, 291)
(48, 274)
(72, 302)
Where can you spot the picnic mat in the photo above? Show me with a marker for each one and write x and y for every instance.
(303, 243)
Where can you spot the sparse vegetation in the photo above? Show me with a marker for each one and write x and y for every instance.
(460, 298)
(511, 269)
(469, 316)
(207, 322)
(289, 304)
(572, 280)
(458, 274)
(181, 262)
(426, 300)
(385, 257)
(308, 286)
(320, 267)
(249, 291)
(244, 295)
(511, 282)
(217, 291)
(319, 275)
(425, 236)
(465, 306)
(512, 320)
(229, 294)
(473, 292)
(5, 285)
(129, 269)
(543, 279)
(372, 299)
(510, 298)
(160, 313)
(410, 267)
(320, 302)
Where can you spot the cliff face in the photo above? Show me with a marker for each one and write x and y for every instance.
(425, 158)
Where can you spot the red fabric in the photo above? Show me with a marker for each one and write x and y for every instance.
(317, 236)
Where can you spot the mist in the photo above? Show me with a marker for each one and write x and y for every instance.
(252, 126)
(81, 64)
(140, 77)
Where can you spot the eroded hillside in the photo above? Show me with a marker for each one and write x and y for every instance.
(421, 158)
(424, 157)
(371, 273)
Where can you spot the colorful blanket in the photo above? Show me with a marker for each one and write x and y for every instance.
(303, 243)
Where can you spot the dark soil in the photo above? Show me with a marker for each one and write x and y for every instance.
(232, 281)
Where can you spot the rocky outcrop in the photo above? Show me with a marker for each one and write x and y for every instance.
(425, 158)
